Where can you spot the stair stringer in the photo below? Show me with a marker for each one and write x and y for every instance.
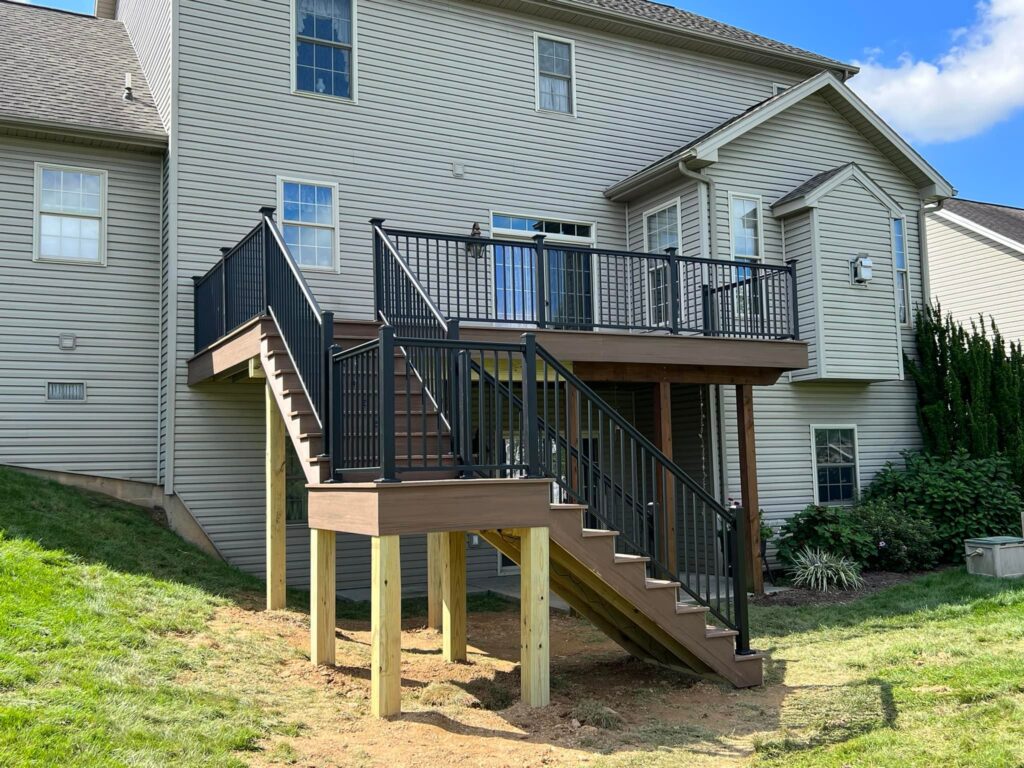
(303, 430)
(639, 614)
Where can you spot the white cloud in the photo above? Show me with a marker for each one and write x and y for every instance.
(977, 83)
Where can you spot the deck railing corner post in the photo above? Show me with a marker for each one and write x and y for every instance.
(386, 374)
(530, 414)
(794, 306)
(674, 293)
(739, 582)
(540, 298)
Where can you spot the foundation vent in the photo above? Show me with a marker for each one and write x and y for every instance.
(65, 391)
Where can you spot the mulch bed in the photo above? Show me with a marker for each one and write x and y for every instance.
(874, 581)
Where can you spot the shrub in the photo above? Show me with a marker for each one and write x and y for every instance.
(832, 529)
(903, 540)
(963, 497)
(823, 572)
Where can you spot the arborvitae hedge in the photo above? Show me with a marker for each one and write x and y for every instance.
(970, 390)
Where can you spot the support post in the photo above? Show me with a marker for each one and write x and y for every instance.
(534, 605)
(385, 627)
(275, 480)
(453, 592)
(572, 416)
(666, 486)
(435, 570)
(322, 596)
(748, 485)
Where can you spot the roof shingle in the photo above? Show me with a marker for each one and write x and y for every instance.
(66, 69)
(1001, 219)
(691, 22)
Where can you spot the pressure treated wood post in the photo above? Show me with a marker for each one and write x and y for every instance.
(435, 570)
(322, 596)
(453, 595)
(748, 484)
(275, 512)
(534, 606)
(666, 485)
(385, 627)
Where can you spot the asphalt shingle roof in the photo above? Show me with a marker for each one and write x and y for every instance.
(68, 69)
(1001, 219)
(691, 22)
(811, 184)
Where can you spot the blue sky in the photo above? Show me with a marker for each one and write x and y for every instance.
(948, 74)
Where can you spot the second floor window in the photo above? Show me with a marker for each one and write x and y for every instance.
(323, 47)
(899, 254)
(309, 222)
(745, 218)
(661, 230)
(70, 214)
(555, 87)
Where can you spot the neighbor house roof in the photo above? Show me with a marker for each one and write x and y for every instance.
(65, 72)
(703, 150)
(691, 23)
(1000, 223)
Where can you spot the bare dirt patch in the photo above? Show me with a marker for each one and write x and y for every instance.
(469, 714)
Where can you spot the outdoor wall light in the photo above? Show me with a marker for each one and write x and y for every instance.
(861, 269)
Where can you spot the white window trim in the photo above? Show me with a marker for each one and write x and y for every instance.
(517, 234)
(354, 74)
(335, 267)
(536, 73)
(909, 323)
(37, 212)
(856, 462)
(760, 225)
(678, 203)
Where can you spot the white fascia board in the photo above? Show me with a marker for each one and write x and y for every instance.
(977, 228)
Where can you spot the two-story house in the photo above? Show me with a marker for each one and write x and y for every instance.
(698, 244)
(976, 263)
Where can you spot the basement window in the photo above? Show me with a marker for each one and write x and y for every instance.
(65, 391)
(836, 471)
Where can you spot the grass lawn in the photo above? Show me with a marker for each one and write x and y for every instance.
(120, 645)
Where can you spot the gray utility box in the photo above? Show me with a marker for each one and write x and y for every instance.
(999, 556)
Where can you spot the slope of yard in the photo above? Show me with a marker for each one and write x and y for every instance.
(120, 645)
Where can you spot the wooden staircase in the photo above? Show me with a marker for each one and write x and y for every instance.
(641, 614)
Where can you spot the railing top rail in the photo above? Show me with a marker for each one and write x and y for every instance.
(441, 319)
(475, 346)
(584, 249)
(356, 350)
(199, 280)
(294, 267)
(636, 435)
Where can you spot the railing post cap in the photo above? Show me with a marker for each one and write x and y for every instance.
(197, 278)
(268, 210)
(539, 238)
(377, 222)
(225, 250)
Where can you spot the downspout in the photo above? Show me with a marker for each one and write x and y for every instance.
(712, 200)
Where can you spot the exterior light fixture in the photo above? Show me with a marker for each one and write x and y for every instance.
(861, 269)
(476, 250)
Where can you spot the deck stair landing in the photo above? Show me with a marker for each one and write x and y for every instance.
(641, 614)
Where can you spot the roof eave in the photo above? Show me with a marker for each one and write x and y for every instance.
(142, 140)
(984, 231)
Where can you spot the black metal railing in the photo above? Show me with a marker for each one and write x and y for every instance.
(257, 277)
(534, 282)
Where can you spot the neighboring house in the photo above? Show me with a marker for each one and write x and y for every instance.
(976, 258)
(780, 215)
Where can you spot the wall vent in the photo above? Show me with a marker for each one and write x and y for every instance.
(65, 391)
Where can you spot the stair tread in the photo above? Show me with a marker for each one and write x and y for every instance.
(590, 533)
(684, 608)
(568, 507)
(755, 656)
(620, 558)
(712, 631)
(660, 584)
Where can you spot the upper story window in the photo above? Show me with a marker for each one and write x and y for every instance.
(309, 222)
(661, 232)
(70, 220)
(899, 251)
(324, 42)
(835, 464)
(556, 88)
(746, 224)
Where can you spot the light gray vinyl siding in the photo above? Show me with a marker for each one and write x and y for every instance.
(149, 26)
(798, 235)
(113, 310)
(972, 275)
(438, 83)
(861, 336)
